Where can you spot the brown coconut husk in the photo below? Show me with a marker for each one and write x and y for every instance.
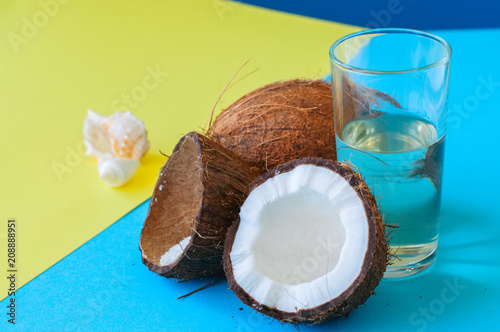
(431, 166)
(198, 194)
(373, 266)
(359, 102)
(279, 122)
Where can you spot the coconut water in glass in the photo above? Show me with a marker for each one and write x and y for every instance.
(390, 89)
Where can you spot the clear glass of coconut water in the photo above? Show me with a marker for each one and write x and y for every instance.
(390, 91)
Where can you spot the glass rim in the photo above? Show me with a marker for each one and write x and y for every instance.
(346, 66)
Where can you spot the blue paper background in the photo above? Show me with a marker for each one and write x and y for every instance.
(414, 14)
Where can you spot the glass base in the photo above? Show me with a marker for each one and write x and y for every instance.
(411, 260)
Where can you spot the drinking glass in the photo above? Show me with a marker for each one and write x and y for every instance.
(390, 91)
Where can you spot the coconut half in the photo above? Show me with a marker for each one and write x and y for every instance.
(196, 199)
(309, 243)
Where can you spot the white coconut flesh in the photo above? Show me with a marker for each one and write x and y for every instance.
(175, 252)
(302, 239)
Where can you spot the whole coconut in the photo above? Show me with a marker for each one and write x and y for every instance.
(279, 122)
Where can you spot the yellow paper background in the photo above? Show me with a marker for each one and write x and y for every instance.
(92, 54)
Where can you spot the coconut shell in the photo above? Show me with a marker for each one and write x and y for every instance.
(279, 122)
(198, 194)
(373, 266)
